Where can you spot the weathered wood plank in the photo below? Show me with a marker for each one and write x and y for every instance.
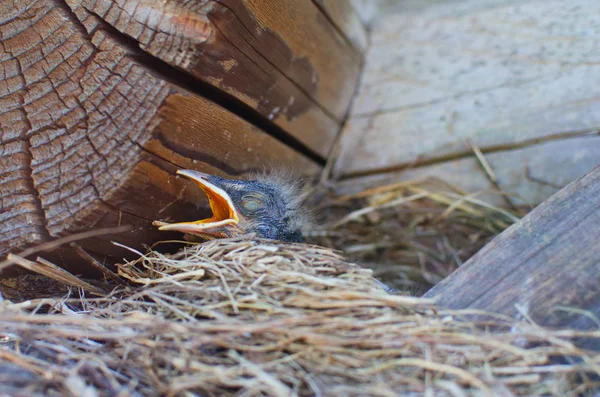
(370, 11)
(530, 174)
(499, 75)
(345, 18)
(91, 134)
(262, 53)
(542, 266)
(314, 41)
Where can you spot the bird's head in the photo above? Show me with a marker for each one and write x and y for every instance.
(265, 206)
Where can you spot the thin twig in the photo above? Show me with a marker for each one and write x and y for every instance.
(491, 175)
(106, 272)
(50, 245)
(54, 272)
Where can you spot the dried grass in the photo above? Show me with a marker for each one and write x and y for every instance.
(251, 317)
(412, 234)
(248, 318)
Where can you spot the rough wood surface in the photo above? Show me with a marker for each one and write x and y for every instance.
(347, 21)
(370, 11)
(282, 58)
(93, 124)
(530, 174)
(504, 74)
(544, 267)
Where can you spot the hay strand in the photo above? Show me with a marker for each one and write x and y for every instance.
(305, 322)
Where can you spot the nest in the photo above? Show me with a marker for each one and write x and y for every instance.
(254, 318)
(251, 317)
(412, 234)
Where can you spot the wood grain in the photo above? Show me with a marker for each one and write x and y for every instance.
(91, 133)
(542, 266)
(281, 58)
(371, 11)
(498, 73)
(347, 21)
(530, 174)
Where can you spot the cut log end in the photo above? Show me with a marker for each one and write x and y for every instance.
(100, 105)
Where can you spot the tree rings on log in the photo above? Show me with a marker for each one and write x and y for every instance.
(102, 101)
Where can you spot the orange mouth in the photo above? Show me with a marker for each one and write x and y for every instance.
(223, 210)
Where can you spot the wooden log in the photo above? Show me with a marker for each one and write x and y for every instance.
(545, 267)
(100, 103)
(278, 57)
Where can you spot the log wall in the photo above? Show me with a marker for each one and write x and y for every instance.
(101, 101)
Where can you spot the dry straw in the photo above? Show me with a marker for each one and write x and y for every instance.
(412, 233)
(251, 317)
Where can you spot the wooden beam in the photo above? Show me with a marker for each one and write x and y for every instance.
(546, 267)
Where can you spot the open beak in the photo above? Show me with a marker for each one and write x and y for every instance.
(224, 214)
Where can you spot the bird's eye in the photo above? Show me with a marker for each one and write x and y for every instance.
(252, 204)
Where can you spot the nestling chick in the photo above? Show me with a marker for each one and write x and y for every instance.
(267, 206)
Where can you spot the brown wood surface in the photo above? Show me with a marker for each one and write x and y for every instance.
(94, 121)
(283, 58)
(545, 268)
(346, 19)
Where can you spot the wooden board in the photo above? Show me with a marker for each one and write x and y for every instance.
(502, 74)
(281, 58)
(530, 174)
(92, 132)
(545, 267)
(371, 11)
(345, 18)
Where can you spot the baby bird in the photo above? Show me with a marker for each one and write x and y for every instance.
(266, 206)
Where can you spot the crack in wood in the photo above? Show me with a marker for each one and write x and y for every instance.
(418, 163)
(120, 210)
(19, 16)
(30, 181)
(185, 80)
(458, 95)
(86, 110)
(64, 103)
(77, 24)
